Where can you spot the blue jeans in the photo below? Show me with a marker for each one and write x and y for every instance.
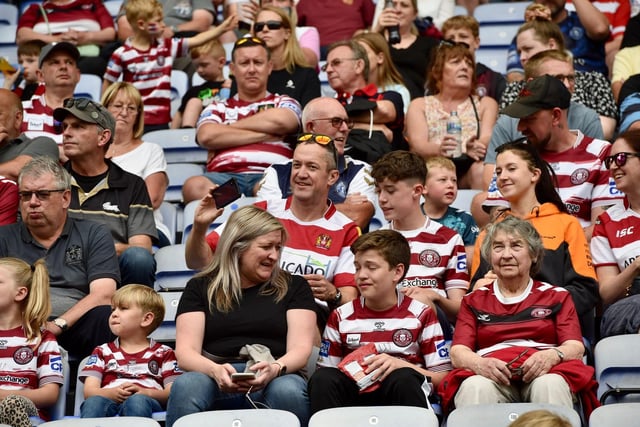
(246, 181)
(137, 265)
(137, 405)
(194, 392)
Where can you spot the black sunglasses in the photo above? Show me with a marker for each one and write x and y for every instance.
(272, 25)
(40, 194)
(620, 159)
(336, 122)
(79, 103)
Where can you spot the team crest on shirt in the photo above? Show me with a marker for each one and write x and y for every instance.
(579, 176)
(540, 312)
(402, 337)
(323, 241)
(153, 367)
(429, 258)
(23, 355)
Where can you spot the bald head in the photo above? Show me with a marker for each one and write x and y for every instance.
(10, 114)
(318, 115)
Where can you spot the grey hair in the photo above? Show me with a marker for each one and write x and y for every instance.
(515, 226)
(43, 165)
(358, 53)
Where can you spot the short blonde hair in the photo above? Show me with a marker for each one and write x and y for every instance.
(440, 161)
(144, 297)
(540, 418)
(141, 9)
(212, 47)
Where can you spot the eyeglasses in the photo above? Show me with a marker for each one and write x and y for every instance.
(336, 63)
(620, 159)
(452, 43)
(254, 405)
(250, 41)
(130, 109)
(337, 122)
(26, 196)
(516, 371)
(272, 25)
(569, 78)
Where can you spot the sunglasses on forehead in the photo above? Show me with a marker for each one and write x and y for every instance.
(319, 139)
(620, 159)
(249, 41)
(272, 25)
(79, 103)
(451, 43)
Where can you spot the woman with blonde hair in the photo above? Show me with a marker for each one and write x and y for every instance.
(292, 74)
(382, 72)
(243, 298)
(452, 87)
(131, 153)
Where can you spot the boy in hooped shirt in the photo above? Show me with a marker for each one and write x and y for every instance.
(438, 274)
(440, 191)
(28, 78)
(145, 59)
(406, 334)
(132, 375)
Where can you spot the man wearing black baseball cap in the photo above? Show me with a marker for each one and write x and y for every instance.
(102, 191)
(583, 181)
(60, 74)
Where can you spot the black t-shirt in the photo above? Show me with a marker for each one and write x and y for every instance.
(258, 319)
(413, 62)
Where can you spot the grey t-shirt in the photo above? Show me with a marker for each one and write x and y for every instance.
(505, 130)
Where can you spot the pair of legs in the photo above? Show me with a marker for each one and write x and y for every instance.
(331, 388)
(137, 265)
(194, 392)
(137, 405)
(548, 388)
(196, 187)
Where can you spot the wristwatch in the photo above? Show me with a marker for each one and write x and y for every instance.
(338, 297)
(560, 353)
(61, 323)
(283, 368)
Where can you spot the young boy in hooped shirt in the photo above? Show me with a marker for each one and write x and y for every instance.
(407, 336)
(132, 375)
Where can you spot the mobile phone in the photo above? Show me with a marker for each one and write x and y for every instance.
(239, 376)
(5, 66)
(226, 193)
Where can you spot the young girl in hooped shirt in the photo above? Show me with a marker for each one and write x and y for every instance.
(30, 361)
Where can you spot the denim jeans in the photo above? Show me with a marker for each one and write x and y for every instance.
(137, 405)
(194, 392)
(137, 265)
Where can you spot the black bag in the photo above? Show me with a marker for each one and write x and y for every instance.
(368, 149)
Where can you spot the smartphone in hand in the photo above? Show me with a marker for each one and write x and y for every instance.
(241, 376)
(226, 193)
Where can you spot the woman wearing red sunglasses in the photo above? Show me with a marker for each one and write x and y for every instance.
(615, 245)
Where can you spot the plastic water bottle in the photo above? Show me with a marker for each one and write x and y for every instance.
(394, 30)
(454, 128)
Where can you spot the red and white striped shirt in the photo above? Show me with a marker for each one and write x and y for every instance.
(438, 258)
(154, 367)
(38, 120)
(150, 72)
(410, 331)
(249, 158)
(616, 240)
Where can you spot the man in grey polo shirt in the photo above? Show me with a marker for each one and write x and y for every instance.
(80, 256)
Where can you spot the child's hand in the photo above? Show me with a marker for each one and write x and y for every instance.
(384, 364)
(230, 23)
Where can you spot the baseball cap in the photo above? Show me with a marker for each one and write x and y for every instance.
(87, 111)
(542, 93)
(56, 47)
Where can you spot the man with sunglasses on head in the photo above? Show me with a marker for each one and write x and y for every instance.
(102, 191)
(80, 256)
(353, 193)
(244, 134)
(319, 235)
(378, 116)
